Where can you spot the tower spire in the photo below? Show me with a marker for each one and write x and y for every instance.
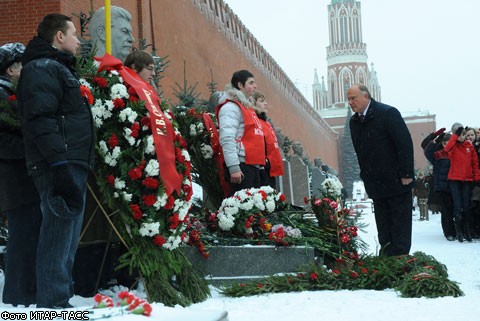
(347, 53)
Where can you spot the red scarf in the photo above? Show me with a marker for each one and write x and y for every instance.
(162, 129)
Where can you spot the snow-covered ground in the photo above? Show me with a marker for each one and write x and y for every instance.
(461, 259)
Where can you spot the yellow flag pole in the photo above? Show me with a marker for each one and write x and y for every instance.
(108, 28)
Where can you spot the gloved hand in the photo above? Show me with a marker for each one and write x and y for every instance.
(62, 180)
(439, 139)
(427, 140)
(459, 131)
(440, 131)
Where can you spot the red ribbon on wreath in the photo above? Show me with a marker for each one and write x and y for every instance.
(162, 129)
(217, 152)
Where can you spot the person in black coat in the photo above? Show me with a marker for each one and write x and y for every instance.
(57, 126)
(433, 149)
(384, 150)
(19, 199)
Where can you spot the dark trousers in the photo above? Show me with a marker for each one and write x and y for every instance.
(448, 226)
(23, 228)
(266, 179)
(251, 178)
(393, 216)
(461, 192)
(58, 240)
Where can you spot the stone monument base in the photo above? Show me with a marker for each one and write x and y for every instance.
(232, 264)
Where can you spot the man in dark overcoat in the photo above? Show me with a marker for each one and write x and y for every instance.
(385, 154)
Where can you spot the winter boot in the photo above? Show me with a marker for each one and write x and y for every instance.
(466, 228)
(458, 227)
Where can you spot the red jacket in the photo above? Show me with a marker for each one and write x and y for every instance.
(252, 134)
(273, 152)
(463, 160)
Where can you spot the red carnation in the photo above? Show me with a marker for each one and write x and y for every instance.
(135, 173)
(149, 200)
(137, 213)
(150, 182)
(113, 141)
(345, 238)
(282, 198)
(110, 180)
(170, 203)
(179, 156)
(85, 91)
(181, 142)
(133, 94)
(98, 298)
(134, 128)
(118, 103)
(194, 235)
(147, 309)
(101, 82)
(264, 195)
(12, 98)
(313, 276)
(187, 170)
(159, 240)
(174, 220)
(145, 121)
(187, 189)
(131, 91)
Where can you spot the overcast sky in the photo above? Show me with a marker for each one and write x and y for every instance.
(426, 52)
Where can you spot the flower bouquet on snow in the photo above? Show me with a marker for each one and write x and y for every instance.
(338, 221)
(250, 216)
(144, 173)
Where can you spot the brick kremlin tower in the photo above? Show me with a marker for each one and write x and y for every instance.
(346, 59)
(347, 64)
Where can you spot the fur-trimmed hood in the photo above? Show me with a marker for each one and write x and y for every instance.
(234, 94)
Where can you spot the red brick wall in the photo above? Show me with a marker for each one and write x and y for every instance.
(419, 130)
(184, 35)
(19, 19)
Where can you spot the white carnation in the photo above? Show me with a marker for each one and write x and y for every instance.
(225, 221)
(127, 196)
(127, 133)
(172, 242)
(109, 105)
(119, 91)
(270, 205)
(119, 184)
(247, 205)
(149, 146)
(152, 168)
(186, 155)
(103, 147)
(193, 130)
(128, 114)
(161, 201)
(149, 229)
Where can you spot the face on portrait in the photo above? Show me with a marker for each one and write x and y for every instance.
(122, 38)
(121, 33)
